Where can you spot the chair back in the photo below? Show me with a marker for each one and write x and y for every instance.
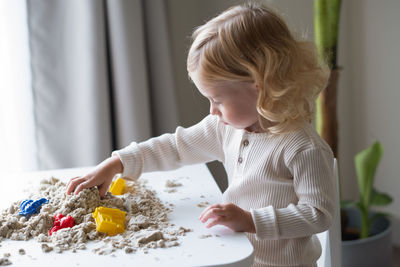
(331, 239)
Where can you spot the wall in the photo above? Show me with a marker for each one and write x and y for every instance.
(184, 16)
(373, 39)
(368, 88)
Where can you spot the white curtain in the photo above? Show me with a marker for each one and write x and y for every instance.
(69, 82)
(17, 141)
(142, 71)
(96, 75)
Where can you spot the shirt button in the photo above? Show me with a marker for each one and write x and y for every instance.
(246, 142)
(240, 160)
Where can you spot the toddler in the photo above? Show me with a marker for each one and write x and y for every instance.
(262, 84)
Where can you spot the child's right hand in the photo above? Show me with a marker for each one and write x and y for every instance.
(101, 176)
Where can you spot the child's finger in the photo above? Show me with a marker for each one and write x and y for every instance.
(212, 213)
(84, 184)
(207, 209)
(73, 183)
(208, 216)
(103, 189)
(71, 179)
(205, 212)
(201, 217)
(218, 220)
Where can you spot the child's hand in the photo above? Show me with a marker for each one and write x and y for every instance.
(229, 215)
(101, 176)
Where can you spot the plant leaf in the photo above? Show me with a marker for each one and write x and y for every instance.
(360, 206)
(366, 163)
(380, 199)
(334, 14)
(326, 27)
(321, 27)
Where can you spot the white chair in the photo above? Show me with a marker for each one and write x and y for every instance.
(331, 239)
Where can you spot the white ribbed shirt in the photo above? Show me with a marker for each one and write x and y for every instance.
(284, 180)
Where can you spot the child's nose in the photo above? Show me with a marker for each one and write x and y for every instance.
(214, 110)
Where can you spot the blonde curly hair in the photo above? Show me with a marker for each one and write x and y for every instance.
(251, 43)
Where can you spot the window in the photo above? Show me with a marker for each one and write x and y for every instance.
(17, 138)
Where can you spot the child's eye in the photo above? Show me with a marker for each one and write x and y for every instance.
(215, 102)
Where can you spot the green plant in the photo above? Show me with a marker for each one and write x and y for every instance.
(366, 163)
(326, 28)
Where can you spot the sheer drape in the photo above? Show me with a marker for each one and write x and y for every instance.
(94, 77)
(17, 141)
(69, 82)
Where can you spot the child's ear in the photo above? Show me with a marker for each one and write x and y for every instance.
(255, 87)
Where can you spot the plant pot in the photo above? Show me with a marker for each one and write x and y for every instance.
(374, 251)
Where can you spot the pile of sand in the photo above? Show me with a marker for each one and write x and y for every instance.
(146, 224)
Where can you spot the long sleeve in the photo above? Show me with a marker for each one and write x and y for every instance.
(313, 182)
(196, 144)
(286, 181)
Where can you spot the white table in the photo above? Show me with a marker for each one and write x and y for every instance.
(223, 248)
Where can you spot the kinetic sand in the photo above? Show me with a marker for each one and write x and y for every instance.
(146, 224)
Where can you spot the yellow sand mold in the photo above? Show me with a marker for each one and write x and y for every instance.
(110, 221)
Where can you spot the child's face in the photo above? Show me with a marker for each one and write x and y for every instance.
(234, 102)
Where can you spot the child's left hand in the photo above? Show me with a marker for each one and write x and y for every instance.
(230, 215)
